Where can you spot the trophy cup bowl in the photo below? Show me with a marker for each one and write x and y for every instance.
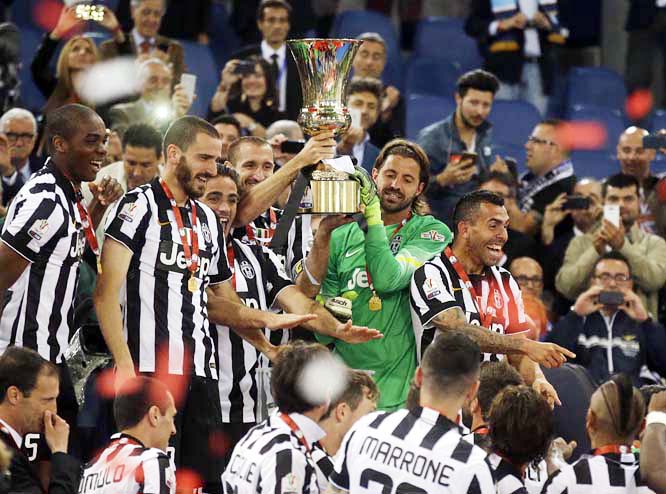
(323, 68)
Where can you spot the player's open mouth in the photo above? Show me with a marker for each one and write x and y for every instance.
(97, 164)
(495, 249)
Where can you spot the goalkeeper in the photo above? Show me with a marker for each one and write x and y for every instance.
(373, 270)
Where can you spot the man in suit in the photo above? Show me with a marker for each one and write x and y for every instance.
(144, 40)
(20, 128)
(364, 96)
(29, 387)
(273, 22)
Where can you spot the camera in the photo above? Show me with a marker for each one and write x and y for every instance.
(611, 298)
(292, 147)
(576, 202)
(88, 12)
(654, 141)
(244, 67)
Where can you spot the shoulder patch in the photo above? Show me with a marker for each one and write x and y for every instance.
(433, 235)
(291, 484)
(128, 212)
(38, 229)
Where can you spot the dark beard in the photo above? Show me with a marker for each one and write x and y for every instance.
(394, 208)
(464, 120)
(184, 176)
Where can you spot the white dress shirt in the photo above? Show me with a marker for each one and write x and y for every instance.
(12, 432)
(267, 52)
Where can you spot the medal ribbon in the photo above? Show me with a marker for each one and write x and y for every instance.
(191, 255)
(271, 228)
(395, 232)
(231, 256)
(612, 448)
(296, 430)
(88, 229)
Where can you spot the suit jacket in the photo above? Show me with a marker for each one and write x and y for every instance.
(641, 14)
(10, 191)
(294, 96)
(176, 55)
(507, 65)
(370, 153)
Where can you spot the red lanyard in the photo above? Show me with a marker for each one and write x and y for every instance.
(481, 430)
(88, 228)
(296, 430)
(249, 229)
(191, 255)
(486, 317)
(395, 232)
(231, 256)
(612, 448)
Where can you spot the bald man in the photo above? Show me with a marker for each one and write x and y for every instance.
(529, 275)
(635, 160)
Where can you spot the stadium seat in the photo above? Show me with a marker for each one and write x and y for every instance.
(424, 110)
(611, 120)
(434, 33)
(31, 97)
(597, 164)
(594, 86)
(199, 61)
(351, 23)
(658, 120)
(513, 121)
(431, 76)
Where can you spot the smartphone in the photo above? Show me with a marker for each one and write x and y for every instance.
(89, 12)
(611, 298)
(292, 147)
(612, 214)
(472, 157)
(654, 141)
(244, 67)
(355, 118)
(189, 83)
(576, 202)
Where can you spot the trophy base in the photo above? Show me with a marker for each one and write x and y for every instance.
(331, 197)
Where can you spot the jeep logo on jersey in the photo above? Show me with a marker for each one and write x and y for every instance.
(358, 279)
(79, 246)
(395, 244)
(172, 258)
(247, 270)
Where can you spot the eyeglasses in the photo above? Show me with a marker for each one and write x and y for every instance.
(536, 140)
(619, 278)
(529, 280)
(15, 136)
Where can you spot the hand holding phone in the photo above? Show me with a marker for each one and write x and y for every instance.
(612, 214)
(576, 202)
(189, 84)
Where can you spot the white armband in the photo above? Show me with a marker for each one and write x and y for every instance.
(655, 418)
(313, 280)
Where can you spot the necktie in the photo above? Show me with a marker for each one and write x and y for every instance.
(275, 74)
(145, 47)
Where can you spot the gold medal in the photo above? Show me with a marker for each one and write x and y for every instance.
(375, 303)
(192, 284)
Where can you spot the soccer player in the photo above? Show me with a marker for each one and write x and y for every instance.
(374, 269)
(463, 289)
(421, 450)
(164, 259)
(135, 461)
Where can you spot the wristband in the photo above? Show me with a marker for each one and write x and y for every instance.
(313, 280)
(655, 418)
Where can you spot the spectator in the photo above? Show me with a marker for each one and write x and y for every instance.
(613, 420)
(517, 45)
(645, 21)
(635, 160)
(250, 97)
(28, 393)
(518, 244)
(10, 61)
(529, 275)
(466, 130)
(550, 174)
(280, 131)
(645, 252)
(229, 129)
(20, 127)
(609, 338)
(364, 96)
(144, 40)
(370, 61)
(158, 105)
(274, 23)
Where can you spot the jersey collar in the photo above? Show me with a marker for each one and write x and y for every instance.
(311, 430)
(8, 429)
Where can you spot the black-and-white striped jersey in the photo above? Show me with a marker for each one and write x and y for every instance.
(299, 239)
(508, 479)
(258, 277)
(127, 466)
(163, 320)
(414, 451)
(271, 459)
(612, 473)
(324, 463)
(436, 287)
(44, 226)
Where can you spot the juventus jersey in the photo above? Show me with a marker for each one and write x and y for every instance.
(44, 226)
(129, 467)
(258, 278)
(414, 451)
(436, 287)
(299, 239)
(164, 322)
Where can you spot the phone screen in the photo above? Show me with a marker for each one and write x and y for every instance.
(612, 214)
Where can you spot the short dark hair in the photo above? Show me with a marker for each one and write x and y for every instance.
(503, 178)
(184, 131)
(408, 149)
(357, 384)
(226, 119)
(620, 181)
(275, 4)
(287, 369)
(520, 425)
(65, 120)
(478, 79)
(451, 362)
(366, 85)
(469, 205)
(21, 367)
(226, 171)
(493, 378)
(142, 135)
(234, 147)
(611, 256)
(135, 397)
(551, 122)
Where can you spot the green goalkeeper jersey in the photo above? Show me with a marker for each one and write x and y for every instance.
(392, 254)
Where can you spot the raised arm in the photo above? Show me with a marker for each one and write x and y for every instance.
(653, 446)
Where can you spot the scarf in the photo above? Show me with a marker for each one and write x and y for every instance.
(531, 185)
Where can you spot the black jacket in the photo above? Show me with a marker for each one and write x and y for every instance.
(641, 14)
(65, 472)
(9, 191)
(294, 97)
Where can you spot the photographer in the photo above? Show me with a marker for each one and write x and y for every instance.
(609, 328)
